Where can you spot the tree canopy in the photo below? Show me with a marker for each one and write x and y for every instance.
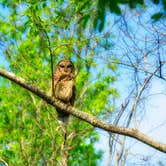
(34, 36)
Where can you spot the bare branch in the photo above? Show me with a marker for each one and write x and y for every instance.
(4, 162)
(94, 121)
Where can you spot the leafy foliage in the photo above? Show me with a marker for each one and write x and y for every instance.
(96, 11)
(29, 131)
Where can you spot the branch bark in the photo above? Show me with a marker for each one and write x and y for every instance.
(96, 122)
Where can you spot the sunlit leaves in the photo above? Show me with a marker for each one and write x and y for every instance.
(29, 125)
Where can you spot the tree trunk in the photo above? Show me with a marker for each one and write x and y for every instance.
(64, 151)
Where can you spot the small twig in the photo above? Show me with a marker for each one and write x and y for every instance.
(6, 164)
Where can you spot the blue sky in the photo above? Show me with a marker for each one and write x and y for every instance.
(153, 125)
(152, 121)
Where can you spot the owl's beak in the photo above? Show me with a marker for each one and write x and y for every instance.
(66, 71)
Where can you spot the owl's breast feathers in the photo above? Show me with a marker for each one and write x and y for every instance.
(64, 90)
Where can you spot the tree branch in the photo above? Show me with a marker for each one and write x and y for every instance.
(83, 115)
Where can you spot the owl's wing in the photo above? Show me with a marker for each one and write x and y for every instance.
(73, 95)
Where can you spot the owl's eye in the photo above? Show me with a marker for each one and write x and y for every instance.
(69, 66)
(62, 66)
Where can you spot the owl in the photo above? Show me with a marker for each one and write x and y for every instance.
(64, 86)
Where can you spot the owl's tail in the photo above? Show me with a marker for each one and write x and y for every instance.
(63, 117)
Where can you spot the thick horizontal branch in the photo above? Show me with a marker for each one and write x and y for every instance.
(85, 116)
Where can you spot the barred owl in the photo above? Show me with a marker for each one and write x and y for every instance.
(64, 86)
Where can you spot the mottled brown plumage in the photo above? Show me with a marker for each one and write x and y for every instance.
(64, 86)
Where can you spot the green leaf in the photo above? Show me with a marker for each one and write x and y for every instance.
(157, 16)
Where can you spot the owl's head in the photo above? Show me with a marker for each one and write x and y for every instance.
(66, 68)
